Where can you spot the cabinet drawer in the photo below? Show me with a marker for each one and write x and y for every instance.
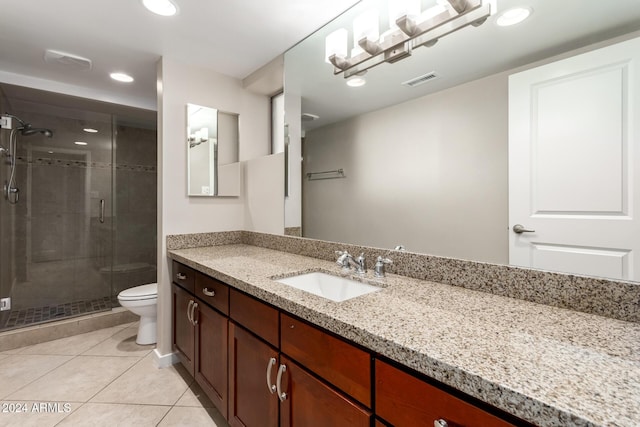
(338, 362)
(254, 315)
(183, 276)
(213, 292)
(405, 400)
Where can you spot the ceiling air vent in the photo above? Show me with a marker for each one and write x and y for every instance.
(66, 59)
(417, 81)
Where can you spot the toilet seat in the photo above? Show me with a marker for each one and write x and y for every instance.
(140, 293)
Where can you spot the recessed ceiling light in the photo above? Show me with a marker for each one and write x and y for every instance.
(80, 143)
(513, 16)
(161, 7)
(90, 130)
(121, 77)
(356, 82)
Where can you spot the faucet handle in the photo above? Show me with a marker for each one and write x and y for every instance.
(378, 269)
(343, 259)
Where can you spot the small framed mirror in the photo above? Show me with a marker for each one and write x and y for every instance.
(212, 152)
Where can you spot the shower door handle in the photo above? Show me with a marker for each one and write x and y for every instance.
(101, 211)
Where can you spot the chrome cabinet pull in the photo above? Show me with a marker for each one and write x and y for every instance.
(281, 395)
(440, 423)
(102, 211)
(270, 365)
(181, 276)
(209, 293)
(519, 228)
(189, 311)
(193, 314)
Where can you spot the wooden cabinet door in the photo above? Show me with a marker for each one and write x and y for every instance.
(211, 354)
(405, 400)
(183, 336)
(310, 402)
(251, 404)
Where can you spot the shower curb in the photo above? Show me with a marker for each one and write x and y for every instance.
(31, 335)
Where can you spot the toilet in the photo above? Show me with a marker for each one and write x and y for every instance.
(143, 301)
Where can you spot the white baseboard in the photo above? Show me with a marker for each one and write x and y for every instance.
(164, 360)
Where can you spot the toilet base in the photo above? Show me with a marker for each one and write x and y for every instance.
(146, 331)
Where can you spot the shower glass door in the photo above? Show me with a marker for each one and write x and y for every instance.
(63, 223)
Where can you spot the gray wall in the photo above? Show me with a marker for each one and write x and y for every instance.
(135, 205)
(430, 173)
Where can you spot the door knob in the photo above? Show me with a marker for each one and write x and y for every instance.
(519, 228)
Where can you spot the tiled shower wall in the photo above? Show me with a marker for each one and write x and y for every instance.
(135, 208)
(6, 220)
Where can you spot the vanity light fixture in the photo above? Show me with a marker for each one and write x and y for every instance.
(90, 130)
(161, 7)
(80, 143)
(410, 28)
(121, 77)
(513, 16)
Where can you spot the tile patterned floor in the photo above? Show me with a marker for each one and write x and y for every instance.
(33, 315)
(101, 378)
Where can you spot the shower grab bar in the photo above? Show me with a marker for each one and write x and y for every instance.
(101, 211)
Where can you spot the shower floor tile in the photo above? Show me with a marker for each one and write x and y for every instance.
(33, 315)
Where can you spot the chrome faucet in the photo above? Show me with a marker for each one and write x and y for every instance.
(346, 260)
(378, 269)
(343, 259)
(359, 263)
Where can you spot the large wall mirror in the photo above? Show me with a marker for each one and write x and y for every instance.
(418, 155)
(212, 152)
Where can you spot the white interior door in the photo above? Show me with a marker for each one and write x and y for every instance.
(574, 159)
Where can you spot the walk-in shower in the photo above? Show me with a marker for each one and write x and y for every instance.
(78, 219)
(11, 191)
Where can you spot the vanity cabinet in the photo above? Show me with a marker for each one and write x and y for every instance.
(200, 332)
(183, 332)
(271, 358)
(253, 362)
(405, 400)
(262, 367)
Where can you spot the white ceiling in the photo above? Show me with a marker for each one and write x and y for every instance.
(555, 27)
(233, 37)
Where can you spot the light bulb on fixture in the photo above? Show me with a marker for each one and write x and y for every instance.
(366, 32)
(336, 47)
(398, 9)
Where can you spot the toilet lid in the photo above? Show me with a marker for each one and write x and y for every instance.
(140, 292)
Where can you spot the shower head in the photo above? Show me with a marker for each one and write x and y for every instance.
(27, 130)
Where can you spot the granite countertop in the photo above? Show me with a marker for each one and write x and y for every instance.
(547, 365)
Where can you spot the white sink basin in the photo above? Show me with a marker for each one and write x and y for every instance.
(328, 286)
